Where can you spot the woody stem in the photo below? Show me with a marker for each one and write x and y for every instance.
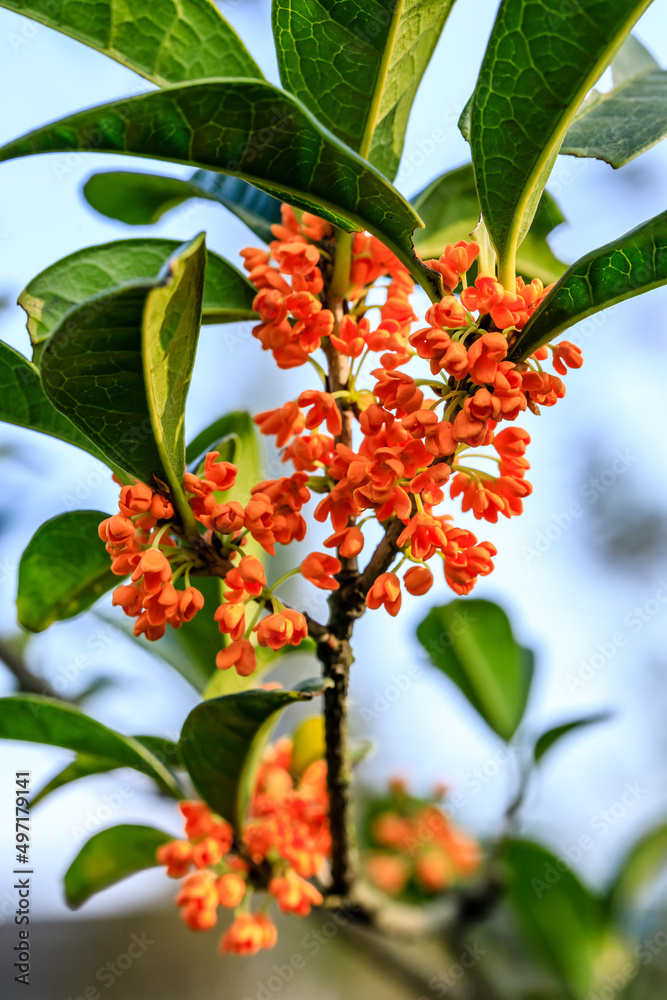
(334, 649)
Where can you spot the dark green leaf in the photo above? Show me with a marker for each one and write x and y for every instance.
(623, 123)
(450, 209)
(551, 736)
(85, 765)
(561, 919)
(110, 856)
(166, 42)
(471, 641)
(629, 266)
(68, 282)
(253, 131)
(221, 742)
(64, 570)
(641, 868)
(23, 402)
(542, 59)
(357, 66)
(142, 199)
(43, 720)
(119, 366)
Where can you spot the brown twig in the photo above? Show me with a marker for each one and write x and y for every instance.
(27, 681)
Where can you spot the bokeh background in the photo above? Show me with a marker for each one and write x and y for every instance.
(583, 573)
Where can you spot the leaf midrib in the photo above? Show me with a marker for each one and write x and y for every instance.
(383, 73)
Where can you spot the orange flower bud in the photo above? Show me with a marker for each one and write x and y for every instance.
(231, 619)
(385, 591)
(418, 580)
(231, 889)
(239, 654)
(319, 569)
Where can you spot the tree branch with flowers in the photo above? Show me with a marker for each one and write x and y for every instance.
(402, 411)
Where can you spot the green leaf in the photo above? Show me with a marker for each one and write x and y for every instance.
(641, 868)
(450, 209)
(560, 918)
(142, 199)
(471, 641)
(64, 570)
(36, 719)
(165, 42)
(541, 60)
(357, 66)
(552, 736)
(23, 402)
(256, 132)
(623, 123)
(633, 59)
(221, 742)
(119, 366)
(85, 765)
(228, 296)
(170, 330)
(110, 856)
(629, 266)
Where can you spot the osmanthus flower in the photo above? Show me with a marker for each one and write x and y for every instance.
(413, 446)
(284, 844)
(415, 848)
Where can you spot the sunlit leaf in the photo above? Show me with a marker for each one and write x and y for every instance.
(471, 641)
(166, 41)
(357, 66)
(110, 856)
(541, 60)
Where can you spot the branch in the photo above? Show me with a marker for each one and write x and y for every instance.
(27, 681)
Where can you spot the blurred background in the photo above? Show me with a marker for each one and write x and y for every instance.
(582, 574)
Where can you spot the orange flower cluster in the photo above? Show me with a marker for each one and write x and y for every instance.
(414, 845)
(287, 830)
(293, 320)
(148, 554)
(406, 451)
(404, 455)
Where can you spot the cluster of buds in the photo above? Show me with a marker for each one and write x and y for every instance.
(396, 467)
(415, 847)
(286, 834)
(407, 452)
(139, 543)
